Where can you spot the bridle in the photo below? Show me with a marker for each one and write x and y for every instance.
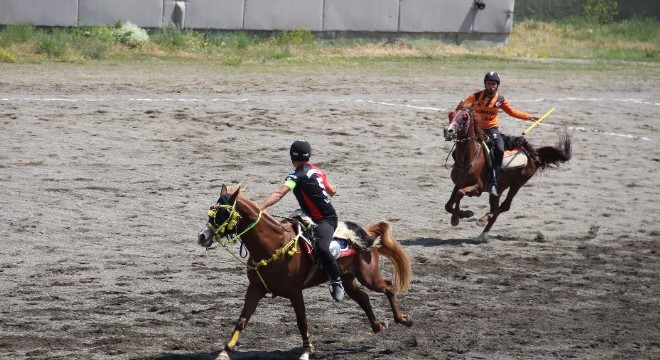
(228, 230)
(459, 131)
(229, 225)
(459, 126)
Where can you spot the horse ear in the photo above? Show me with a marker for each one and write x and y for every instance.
(233, 196)
(223, 191)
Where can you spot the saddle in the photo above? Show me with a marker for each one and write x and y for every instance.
(347, 238)
(517, 152)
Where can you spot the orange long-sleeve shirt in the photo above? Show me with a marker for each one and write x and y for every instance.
(485, 109)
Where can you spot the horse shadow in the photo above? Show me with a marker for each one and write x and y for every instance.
(240, 355)
(429, 241)
(250, 355)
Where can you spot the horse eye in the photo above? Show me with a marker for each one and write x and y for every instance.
(465, 116)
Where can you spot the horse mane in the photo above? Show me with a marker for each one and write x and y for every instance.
(478, 133)
(511, 142)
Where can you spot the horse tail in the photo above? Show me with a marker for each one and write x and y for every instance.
(555, 155)
(394, 252)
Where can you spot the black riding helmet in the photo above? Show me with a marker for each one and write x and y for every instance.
(492, 76)
(300, 150)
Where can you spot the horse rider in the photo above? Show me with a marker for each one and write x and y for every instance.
(313, 191)
(485, 105)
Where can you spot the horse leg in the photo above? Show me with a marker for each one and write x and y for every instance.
(253, 295)
(362, 299)
(506, 204)
(504, 207)
(449, 206)
(453, 206)
(399, 317)
(298, 303)
(370, 277)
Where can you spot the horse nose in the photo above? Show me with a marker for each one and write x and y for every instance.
(203, 237)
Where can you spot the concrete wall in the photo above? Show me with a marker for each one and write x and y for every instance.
(389, 16)
(39, 12)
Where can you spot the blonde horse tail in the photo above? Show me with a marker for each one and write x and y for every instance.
(394, 252)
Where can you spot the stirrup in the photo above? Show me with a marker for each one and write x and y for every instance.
(337, 290)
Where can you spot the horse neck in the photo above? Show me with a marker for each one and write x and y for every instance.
(262, 236)
(467, 149)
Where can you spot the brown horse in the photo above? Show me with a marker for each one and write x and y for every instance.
(279, 264)
(472, 172)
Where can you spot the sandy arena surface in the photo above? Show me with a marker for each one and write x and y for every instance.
(106, 172)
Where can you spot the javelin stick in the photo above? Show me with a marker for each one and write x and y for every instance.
(538, 121)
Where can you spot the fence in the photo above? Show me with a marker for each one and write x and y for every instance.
(458, 18)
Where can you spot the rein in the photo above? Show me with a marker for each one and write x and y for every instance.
(464, 168)
(230, 224)
(466, 141)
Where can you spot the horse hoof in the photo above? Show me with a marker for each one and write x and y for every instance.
(483, 220)
(384, 325)
(224, 355)
(305, 355)
(454, 222)
(482, 238)
(467, 214)
(380, 326)
(407, 321)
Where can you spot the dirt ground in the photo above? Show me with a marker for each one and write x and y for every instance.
(106, 173)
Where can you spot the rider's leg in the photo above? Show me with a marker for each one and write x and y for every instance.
(324, 231)
(498, 155)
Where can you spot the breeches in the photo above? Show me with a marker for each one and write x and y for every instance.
(498, 149)
(324, 231)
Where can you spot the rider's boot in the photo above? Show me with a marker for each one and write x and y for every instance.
(492, 189)
(336, 287)
(337, 290)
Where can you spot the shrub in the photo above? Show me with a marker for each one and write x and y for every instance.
(91, 47)
(235, 40)
(6, 56)
(54, 45)
(603, 11)
(131, 34)
(296, 37)
(16, 34)
(169, 37)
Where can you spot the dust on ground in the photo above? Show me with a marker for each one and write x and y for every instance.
(106, 172)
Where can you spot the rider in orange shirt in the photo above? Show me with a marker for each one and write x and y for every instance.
(485, 105)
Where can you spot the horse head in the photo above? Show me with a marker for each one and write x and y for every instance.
(460, 126)
(222, 218)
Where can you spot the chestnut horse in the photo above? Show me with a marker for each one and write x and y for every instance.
(279, 264)
(472, 171)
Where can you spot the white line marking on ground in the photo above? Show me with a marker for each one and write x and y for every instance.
(193, 100)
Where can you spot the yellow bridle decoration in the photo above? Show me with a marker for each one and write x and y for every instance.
(289, 248)
(231, 222)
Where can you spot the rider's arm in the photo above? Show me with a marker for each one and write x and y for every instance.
(330, 188)
(274, 197)
(516, 113)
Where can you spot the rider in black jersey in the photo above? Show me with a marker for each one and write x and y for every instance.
(313, 191)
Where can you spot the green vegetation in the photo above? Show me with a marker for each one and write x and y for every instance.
(593, 37)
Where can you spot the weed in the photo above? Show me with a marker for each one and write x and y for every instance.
(6, 56)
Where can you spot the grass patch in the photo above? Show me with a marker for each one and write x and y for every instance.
(577, 38)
